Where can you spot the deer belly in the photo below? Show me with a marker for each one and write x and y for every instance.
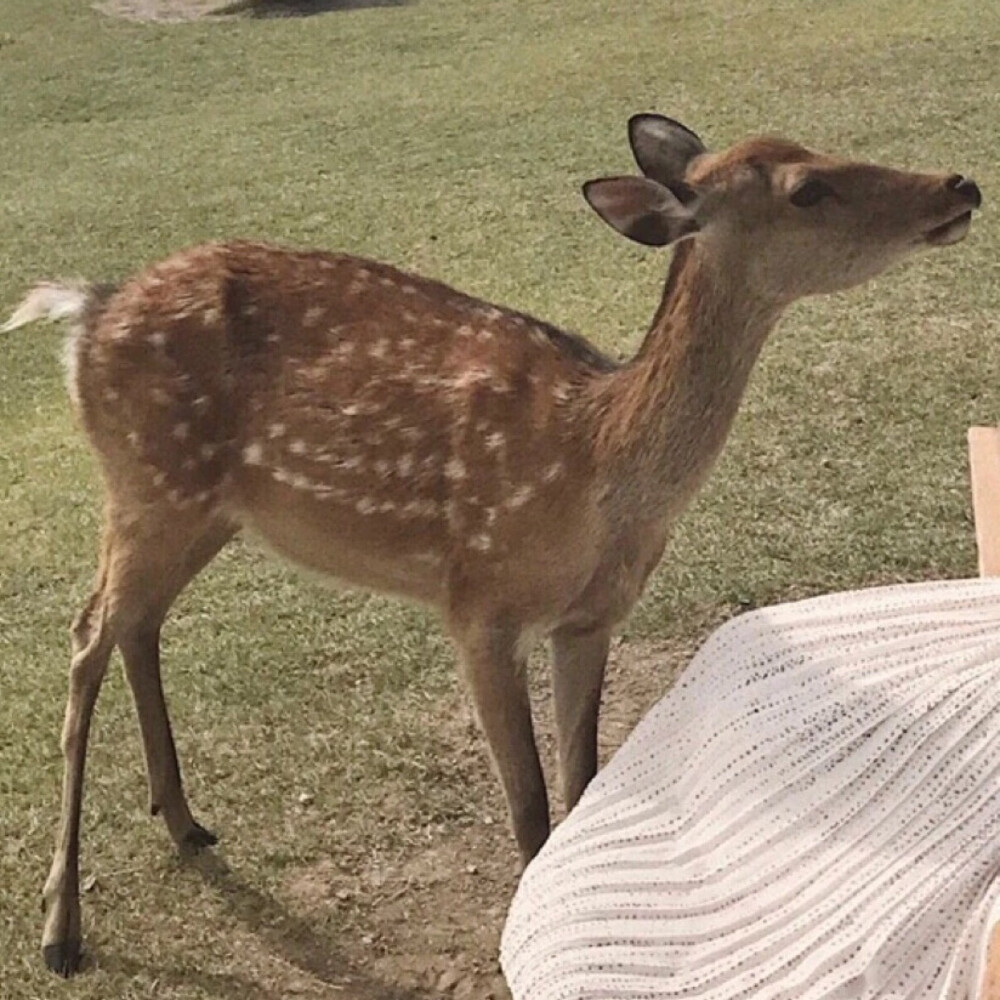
(367, 542)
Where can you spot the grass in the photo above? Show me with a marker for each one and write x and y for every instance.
(450, 138)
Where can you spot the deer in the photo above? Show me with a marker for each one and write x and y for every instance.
(389, 432)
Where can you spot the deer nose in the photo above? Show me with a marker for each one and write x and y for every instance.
(966, 188)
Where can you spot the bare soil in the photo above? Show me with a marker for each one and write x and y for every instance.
(426, 923)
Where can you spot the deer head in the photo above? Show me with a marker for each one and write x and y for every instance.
(803, 222)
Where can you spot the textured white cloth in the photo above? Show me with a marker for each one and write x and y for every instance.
(811, 813)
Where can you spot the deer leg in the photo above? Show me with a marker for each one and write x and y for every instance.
(140, 577)
(139, 642)
(496, 675)
(578, 661)
(91, 646)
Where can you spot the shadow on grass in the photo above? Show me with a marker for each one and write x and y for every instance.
(298, 941)
(300, 8)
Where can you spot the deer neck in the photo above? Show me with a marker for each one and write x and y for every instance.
(664, 417)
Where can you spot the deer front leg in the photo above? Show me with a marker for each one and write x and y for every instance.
(92, 646)
(495, 671)
(578, 661)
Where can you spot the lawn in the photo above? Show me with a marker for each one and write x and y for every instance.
(323, 734)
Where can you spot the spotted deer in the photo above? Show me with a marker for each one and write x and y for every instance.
(388, 431)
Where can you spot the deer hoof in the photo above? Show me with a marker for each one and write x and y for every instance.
(198, 838)
(63, 957)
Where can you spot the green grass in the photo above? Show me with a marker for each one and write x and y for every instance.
(448, 137)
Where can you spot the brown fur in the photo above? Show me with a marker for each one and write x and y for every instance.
(388, 431)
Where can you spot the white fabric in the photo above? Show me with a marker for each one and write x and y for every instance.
(811, 813)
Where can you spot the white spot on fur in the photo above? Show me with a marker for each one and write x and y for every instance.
(419, 508)
(495, 441)
(211, 316)
(481, 543)
(409, 289)
(248, 310)
(465, 330)
(160, 396)
(208, 451)
(407, 343)
(324, 492)
(201, 404)
(158, 340)
(297, 447)
(253, 454)
(484, 335)
(181, 431)
(276, 430)
(473, 376)
(561, 392)
(133, 438)
(110, 395)
(520, 497)
(404, 464)
(378, 349)
(294, 479)
(411, 434)
(383, 469)
(313, 315)
(553, 472)
(160, 479)
(455, 470)
(351, 410)
(203, 497)
(366, 506)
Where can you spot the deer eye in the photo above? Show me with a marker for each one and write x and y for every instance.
(810, 192)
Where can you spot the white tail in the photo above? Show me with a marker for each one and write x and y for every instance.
(51, 301)
(384, 429)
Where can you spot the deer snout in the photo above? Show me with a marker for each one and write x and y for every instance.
(965, 188)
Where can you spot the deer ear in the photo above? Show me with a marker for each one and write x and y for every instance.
(663, 148)
(640, 209)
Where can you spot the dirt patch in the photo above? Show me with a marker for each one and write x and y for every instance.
(427, 923)
(192, 10)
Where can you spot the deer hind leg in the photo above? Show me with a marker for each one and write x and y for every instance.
(578, 662)
(141, 574)
(91, 649)
(495, 671)
(138, 638)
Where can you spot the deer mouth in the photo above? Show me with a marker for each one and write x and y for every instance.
(949, 232)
